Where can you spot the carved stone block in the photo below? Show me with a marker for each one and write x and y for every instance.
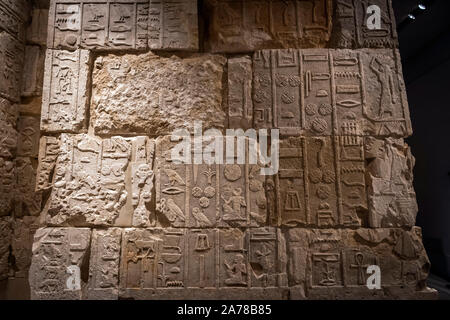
(104, 264)
(392, 200)
(60, 257)
(202, 263)
(33, 71)
(240, 104)
(242, 26)
(332, 264)
(65, 95)
(48, 153)
(28, 140)
(99, 182)
(322, 92)
(7, 182)
(205, 196)
(37, 29)
(161, 94)
(11, 59)
(20, 8)
(27, 202)
(173, 25)
(21, 244)
(5, 243)
(8, 123)
(350, 28)
(11, 22)
(98, 24)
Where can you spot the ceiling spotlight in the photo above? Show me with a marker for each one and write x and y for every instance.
(422, 6)
(411, 16)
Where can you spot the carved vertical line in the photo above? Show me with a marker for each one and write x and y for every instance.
(301, 88)
(274, 88)
(305, 179)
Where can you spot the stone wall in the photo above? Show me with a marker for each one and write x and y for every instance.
(116, 212)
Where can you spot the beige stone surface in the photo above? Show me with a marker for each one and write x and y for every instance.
(28, 139)
(48, 153)
(21, 244)
(243, 26)
(240, 103)
(99, 182)
(59, 256)
(5, 242)
(161, 94)
(33, 71)
(65, 92)
(27, 202)
(98, 25)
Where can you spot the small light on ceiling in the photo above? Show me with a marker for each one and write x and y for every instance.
(411, 16)
(422, 6)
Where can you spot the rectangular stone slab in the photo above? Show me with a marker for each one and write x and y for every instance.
(8, 127)
(60, 256)
(99, 182)
(173, 25)
(323, 92)
(27, 202)
(65, 94)
(7, 183)
(22, 243)
(11, 21)
(33, 71)
(5, 243)
(160, 93)
(11, 63)
(28, 141)
(98, 24)
(243, 26)
(48, 153)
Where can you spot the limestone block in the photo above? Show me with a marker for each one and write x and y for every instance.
(321, 92)
(22, 243)
(28, 140)
(160, 94)
(350, 29)
(60, 257)
(27, 202)
(202, 263)
(31, 106)
(240, 104)
(20, 8)
(392, 200)
(11, 61)
(173, 25)
(7, 182)
(243, 26)
(332, 264)
(48, 153)
(205, 196)
(33, 71)
(37, 29)
(65, 97)
(100, 182)
(5, 242)
(98, 24)
(104, 264)
(8, 123)
(11, 22)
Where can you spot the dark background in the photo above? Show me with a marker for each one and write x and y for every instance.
(425, 51)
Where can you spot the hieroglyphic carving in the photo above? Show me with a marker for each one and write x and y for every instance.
(27, 201)
(239, 26)
(11, 59)
(8, 124)
(7, 181)
(328, 262)
(330, 92)
(208, 195)
(21, 244)
(350, 25)
(11, 22)
(28, 141)
(98, 24)
(48, 153)
(59, 256)
(5, 243)
(104, 264)
(92, 183)
(240, 105)
(173, 25)
(33, 71)
(392, 200)
(65, 96)
(320, 182)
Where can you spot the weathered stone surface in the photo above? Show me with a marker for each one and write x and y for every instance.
(11, 59)
(48, 153)
(240, 104)
(33, 71)
(31, 106)
(5, 242)
(104, 264)
(350, 25)
(160, 94)
(21, 244)
(323, 92)
(27, 202)
(330, 264)
(11, 22)
(8, 123)
(392, 199)
(28, 141)
(100, 181)
(173, 25)
(7, 179)
(37, 29)
(60, 255)
(202, 263)
(205, 196)
(20, 8)
(98, 24)
(242, 26)
(65, 95)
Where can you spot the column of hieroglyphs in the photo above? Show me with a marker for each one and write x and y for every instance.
(122, 220)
